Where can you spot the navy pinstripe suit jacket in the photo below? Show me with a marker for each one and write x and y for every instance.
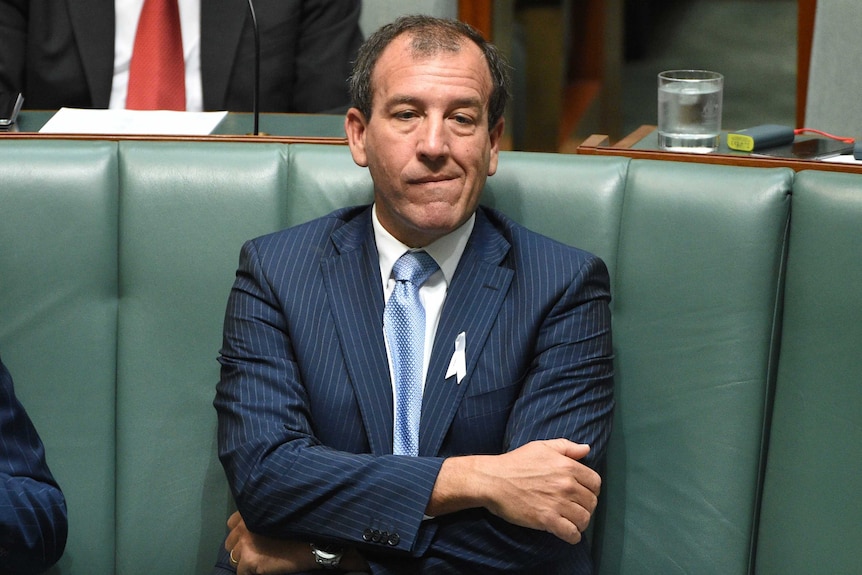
(33, 521)
(305, 399)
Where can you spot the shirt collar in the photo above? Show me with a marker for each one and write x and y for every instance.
(446, 251)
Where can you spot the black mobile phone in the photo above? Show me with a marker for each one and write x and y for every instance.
(10, 105)
(814, 148)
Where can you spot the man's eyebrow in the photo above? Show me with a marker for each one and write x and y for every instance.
(402, 99)
(469, 102)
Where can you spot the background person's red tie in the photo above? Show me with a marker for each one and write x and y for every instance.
(157, 79)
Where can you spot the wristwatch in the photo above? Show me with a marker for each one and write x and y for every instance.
(327, 556)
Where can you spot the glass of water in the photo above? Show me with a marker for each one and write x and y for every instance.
(689, 110)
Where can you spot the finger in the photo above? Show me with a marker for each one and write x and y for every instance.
(231, 542)
(234, 537)
(234, 520)
(565, 530)
(234, 557)
(583, 502)
(571, 449)
(589, 479)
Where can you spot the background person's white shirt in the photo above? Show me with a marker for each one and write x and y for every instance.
(127, 13)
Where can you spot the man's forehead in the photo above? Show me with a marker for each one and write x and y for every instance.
(418, 50)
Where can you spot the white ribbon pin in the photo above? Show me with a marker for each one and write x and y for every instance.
(458, 363)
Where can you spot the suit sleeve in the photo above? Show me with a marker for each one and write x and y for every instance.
(33, 522)
(286, 483)
(13, 41)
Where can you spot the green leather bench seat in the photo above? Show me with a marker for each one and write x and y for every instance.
(183, 212)
(811, 520)
(58, 322)
(117, 258)
(699, 268)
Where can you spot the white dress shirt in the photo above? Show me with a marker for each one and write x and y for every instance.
(127, 13)
(447, 253)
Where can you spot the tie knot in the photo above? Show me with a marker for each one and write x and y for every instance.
(414, 267)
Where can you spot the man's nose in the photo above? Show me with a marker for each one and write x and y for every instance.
(433, 141)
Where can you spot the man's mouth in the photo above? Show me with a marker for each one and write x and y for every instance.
(432, 179)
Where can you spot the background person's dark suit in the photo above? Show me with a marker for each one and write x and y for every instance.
(61, 53)
(32, 508)
(305, 399)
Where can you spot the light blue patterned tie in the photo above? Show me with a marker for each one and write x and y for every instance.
(404, 322)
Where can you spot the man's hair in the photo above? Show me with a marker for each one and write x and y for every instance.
(429, 36)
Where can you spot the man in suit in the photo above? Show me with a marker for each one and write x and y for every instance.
(32, 508)
(517, 397)
(63, 53)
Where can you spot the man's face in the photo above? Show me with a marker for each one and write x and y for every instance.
(427, 144)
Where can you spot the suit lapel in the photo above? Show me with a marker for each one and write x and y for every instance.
(352, 281)
(473, 300)
(222, 22)
(93, 25)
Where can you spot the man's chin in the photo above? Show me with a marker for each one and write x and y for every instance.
(435, 226)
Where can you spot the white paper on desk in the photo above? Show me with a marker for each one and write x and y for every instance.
(128, 122)
(843, 159)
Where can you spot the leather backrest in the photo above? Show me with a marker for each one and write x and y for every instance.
(321, 179)
(58, 322)
(698, 272)
(573, 199)
(184, 213)
(811, 519)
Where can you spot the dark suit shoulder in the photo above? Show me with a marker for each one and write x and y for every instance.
(545, 267)
(317, 229)
(309, 241)
(528, 244)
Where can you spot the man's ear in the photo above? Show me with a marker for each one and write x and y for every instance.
(496, 136)
(354, 127)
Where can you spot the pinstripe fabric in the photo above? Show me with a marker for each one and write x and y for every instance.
(32, 508)
(305, 401)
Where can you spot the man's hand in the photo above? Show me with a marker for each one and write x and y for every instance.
(541, 485)
(254, 554)
(260, 555)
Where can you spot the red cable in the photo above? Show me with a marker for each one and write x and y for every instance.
(798, 131)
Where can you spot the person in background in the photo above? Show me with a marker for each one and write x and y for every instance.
(33, 522)
(421, 385)
(78, 53)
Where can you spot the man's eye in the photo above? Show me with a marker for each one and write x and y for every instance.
(465, 120)
(405, 115)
